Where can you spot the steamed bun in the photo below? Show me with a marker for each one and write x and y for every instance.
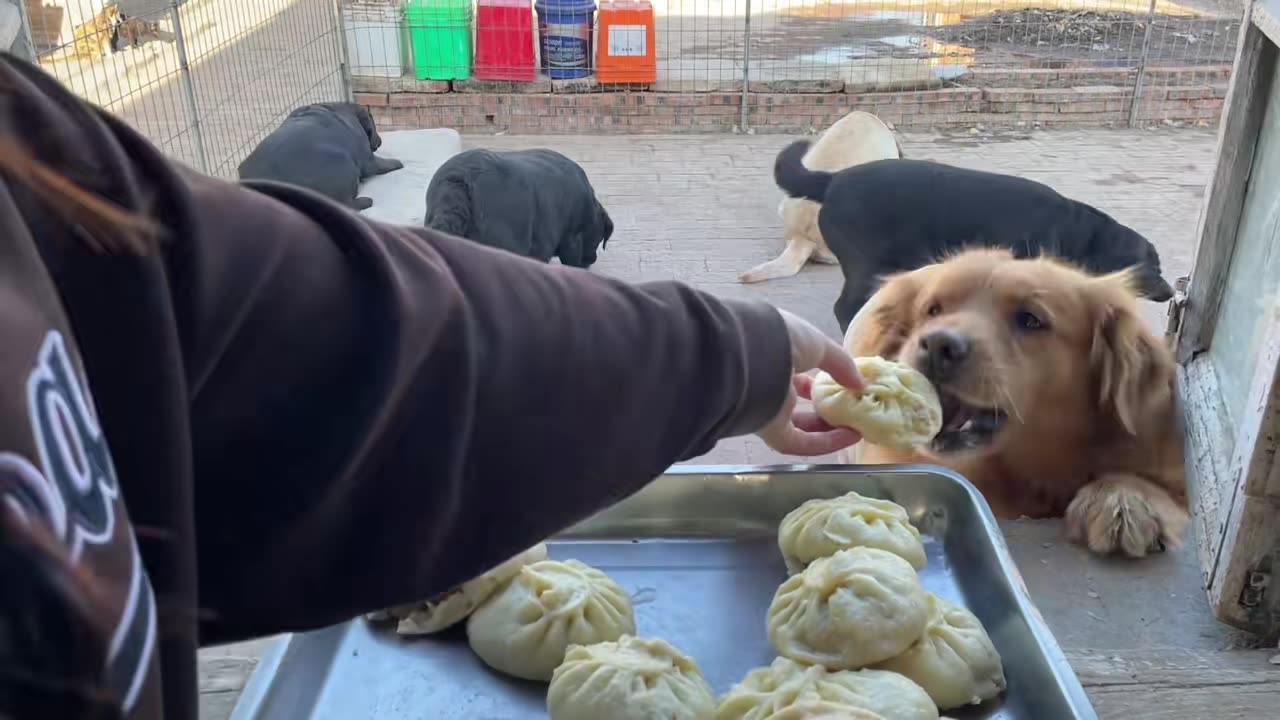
(525, 629)
(856, 608)
(631, 679)
(766, 691)
(819, 528)
(954, 660)
(898, 408)
(448, 609)
(822, 710)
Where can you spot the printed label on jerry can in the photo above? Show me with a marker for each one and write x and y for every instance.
(627, 40)
(565, 45)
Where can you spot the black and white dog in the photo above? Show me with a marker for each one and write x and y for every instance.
(891, 216)
(326, 147)
(536, 203)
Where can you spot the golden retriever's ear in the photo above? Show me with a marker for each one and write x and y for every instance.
(883, 324)
(1133, 368)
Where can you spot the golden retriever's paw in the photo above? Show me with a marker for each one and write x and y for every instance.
(1125, 514)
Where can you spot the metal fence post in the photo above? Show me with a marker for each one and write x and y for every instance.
(344, 56)
(1142, 64)
(746, 67)
(188, 87)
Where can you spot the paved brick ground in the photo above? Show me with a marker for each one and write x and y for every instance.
(703, 208)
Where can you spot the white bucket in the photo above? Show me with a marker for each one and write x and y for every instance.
(375, 39)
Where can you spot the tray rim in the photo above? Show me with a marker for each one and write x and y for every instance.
(257, 688)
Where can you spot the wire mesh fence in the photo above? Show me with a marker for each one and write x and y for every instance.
(208, 78)
(1117, 62)
(204, 79)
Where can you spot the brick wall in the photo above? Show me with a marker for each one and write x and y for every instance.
(1052, 98)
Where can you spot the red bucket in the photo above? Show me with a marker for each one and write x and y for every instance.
(505, 40)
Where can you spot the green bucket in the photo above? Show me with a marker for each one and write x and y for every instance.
(440, 34)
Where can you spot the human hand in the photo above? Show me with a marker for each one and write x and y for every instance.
(804, 433)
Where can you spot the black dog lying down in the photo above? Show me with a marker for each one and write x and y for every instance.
(891, 216)
(327, 148)
(536, 203)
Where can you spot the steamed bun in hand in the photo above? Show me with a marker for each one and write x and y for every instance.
(767, 691)
(853, 609)
(525, 629)
(631, 679)
(898, 408)
(820, 528)
(954, 660)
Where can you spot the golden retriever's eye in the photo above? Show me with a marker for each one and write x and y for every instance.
(1024, 320)
(934, 310)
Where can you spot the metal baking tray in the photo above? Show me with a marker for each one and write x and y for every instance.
(698, 550)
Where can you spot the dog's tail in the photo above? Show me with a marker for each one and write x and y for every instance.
(451, 210)
(797, 180)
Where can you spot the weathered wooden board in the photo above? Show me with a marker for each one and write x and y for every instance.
(1164, 683)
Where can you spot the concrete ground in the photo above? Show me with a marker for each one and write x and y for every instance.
(703, 208)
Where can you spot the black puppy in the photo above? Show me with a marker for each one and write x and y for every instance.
(891, 216)
(536, 203)
(326, 147)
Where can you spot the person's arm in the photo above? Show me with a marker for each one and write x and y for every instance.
(375, 413)
(390, 412)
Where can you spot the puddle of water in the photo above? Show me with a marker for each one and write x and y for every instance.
(945, 60)
(833, 55)
(902, 41)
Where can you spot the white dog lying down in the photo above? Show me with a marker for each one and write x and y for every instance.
(856, 138)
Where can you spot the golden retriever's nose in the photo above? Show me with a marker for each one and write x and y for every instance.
(942, 353)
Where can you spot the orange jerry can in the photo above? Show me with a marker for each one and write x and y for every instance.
(625, 51)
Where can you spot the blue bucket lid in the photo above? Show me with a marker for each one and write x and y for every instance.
(565, 7)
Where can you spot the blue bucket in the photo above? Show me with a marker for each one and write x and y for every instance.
(564, 33)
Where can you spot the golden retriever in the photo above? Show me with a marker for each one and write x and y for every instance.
(856, 138)
(1057, 399)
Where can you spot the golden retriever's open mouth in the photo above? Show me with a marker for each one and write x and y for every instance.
(965, 426)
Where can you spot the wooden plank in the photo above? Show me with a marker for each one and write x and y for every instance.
(1177, 684)
(1224, 195)
(1234, 520)
(222, 679)
(1266, 15)
(1246, 355)
(1165, 683)
(1207, 428)
(1259, 439)
(1252, 537)
(1232, 466)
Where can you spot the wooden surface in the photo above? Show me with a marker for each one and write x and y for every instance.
(1266, 15)
(1207, 431)
(1220, 216)
(222, 678)
(1173, 684)
(1164, 683)
(1232, 460)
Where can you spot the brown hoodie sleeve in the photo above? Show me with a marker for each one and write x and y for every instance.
(375, 413)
